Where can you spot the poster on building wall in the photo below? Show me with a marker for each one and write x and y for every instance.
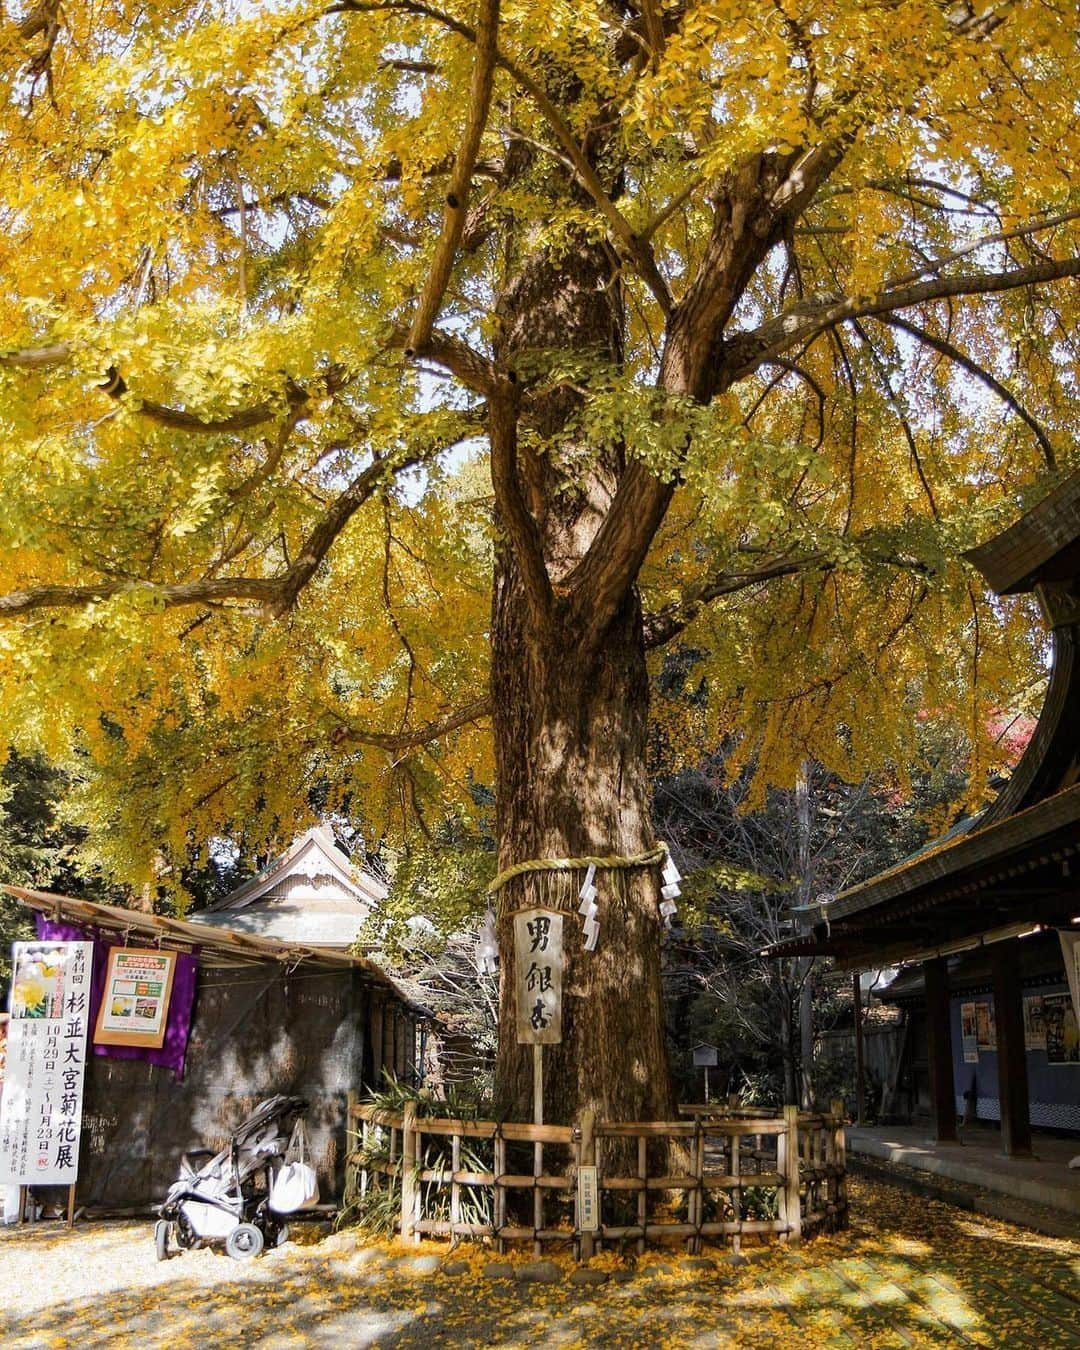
(135, 1005)
(969, 1033)
(986, 1028)
(1062, 1031)
(41, 1105)
(1070, 954)
(1034, 1025)
(538, 961)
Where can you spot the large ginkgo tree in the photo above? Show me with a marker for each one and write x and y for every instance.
(389, 390)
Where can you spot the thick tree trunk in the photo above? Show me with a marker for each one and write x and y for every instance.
(571, 780)
(787, 1051)
(570, 727)
(805, 965)
(806, 1038)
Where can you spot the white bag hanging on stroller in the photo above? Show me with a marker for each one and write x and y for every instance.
(227, 1198)
(295, 1186)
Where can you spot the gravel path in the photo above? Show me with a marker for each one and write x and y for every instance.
(908, 1272)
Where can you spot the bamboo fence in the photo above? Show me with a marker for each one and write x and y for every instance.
(741, 1173)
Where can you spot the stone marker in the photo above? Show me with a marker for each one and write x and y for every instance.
(423, 1265)
(539, 1272)
(583, 1277)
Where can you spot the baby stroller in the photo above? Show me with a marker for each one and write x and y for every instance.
(226, 1199)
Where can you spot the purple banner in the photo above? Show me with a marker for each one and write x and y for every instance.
(178, 1026)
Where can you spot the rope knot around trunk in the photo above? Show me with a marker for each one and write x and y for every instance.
(612, 861)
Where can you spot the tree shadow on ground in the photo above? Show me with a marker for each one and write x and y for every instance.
(908, 1272)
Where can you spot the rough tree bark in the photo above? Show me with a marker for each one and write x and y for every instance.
(570, 745)
(787, 1050)
(570, 725)
(569, 682)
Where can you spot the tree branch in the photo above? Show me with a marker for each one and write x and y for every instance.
(897, 406)
(654, 29)
(803, 322)
(753, 207)
(602, 579)
(793, 368)
(952, 353)
(455, 355)
(666, 623)
(634, 248)
(411, 738)
(38, 358)
(514, 514)
(276, 594)
(243, 419)
(457, 195)
(1023, 231)
(274, 457)
(264, 590)
(340, 511)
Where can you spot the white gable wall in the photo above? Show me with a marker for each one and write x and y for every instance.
(311, 893)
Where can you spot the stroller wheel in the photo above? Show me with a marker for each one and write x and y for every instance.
(161, 1239)
(280, 1235)
(244, 1241)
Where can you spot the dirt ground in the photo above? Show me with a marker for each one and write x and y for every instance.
(908, 1272)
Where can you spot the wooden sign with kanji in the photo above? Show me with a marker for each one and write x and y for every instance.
(538, 960)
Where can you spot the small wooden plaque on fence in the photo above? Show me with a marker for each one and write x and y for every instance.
(588, 1208)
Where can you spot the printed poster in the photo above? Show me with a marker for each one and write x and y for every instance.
(41, 1105)
(1062, 1032)
(1034, 1026)
(135, 1006)
(1070, 954)
(538, 962)
(969, 1033)
(986, 1027)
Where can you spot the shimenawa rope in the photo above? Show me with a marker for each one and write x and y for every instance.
(613, 861)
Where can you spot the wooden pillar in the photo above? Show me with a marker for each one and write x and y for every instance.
(939, 1038)
(375, 1032)
(409, 1155)
(389, 1039)
(791, 1175)
(362, 1074)
(860, 1075)
(399, 1045)
(586, 1158)
(1011, 1053)
(411, 1075)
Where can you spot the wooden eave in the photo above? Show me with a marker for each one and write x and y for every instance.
(1041, 546)
(980, 882)
(991, 844)
(223, 946)
(1033, 822)
(1038, 958)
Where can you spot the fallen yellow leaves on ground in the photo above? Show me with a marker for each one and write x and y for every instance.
(909, 1272)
